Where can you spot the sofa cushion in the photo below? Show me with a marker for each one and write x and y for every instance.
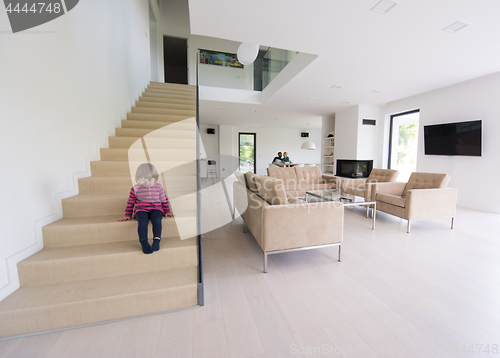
(285, 174)
(250, 181)
(383, 175)
(241, 178)
(309, 175)
(426, 181)
(391, 199)
(271, 190)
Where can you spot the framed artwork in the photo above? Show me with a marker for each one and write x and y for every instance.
(217, 58)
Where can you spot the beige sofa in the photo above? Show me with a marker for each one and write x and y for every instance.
(283, 223)
(299, 179)
(424, 196)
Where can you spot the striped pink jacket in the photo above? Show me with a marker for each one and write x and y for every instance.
(143, 198)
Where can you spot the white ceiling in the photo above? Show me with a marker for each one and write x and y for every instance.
(401, 53)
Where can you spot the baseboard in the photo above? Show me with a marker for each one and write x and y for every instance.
(12, 276)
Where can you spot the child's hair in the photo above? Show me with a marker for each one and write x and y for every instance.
(146, 170)
(285, 154)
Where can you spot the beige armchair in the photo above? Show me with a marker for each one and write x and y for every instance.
(367, 187)
(424, 196)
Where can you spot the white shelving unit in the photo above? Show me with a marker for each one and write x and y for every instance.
(328, 157)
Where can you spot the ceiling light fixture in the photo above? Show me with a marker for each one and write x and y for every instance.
(458, 25)
(308, 145)
(346, 102)
(375, 91)
(384, 6)
(336, 86)
(247, 53)
(312, 99)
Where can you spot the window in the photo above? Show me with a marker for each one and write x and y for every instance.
(403, 140)
(247, 152)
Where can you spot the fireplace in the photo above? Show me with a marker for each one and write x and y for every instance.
(349, 168)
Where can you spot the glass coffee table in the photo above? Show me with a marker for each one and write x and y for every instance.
(346, 199)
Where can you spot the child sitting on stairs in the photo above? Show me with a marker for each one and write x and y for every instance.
(147, 201)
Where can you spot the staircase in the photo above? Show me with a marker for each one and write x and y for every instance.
(92, 268)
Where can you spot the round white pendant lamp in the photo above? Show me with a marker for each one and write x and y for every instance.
(247, 53)
(308, 145)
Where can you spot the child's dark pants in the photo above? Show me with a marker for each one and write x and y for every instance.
(143, 219)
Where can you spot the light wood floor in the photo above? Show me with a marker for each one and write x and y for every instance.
(423, 294)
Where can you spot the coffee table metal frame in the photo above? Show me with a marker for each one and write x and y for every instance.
(346, 199)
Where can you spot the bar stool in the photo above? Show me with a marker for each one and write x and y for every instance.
(212, 169)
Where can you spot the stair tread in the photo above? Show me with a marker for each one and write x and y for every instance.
(89, 220)
(104, 249)
(33, 297)
(107, 196)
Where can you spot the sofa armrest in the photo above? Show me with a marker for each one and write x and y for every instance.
(301, 225)
(393, 188)
(431, 203)
(330, 178)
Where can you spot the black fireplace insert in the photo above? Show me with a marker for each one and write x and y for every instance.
(349, 168)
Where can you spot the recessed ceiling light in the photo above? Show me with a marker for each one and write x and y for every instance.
(336, 86)
(384, 6)
(459, 25)
(346, 102)
(312, 99)
(375, 91)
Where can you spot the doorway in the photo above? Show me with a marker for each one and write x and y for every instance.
(247, 149)
(403, 141)
(175, 60)
(153, 45)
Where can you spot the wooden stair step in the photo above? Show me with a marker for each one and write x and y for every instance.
(106, 204)
(123, 183)
(122, 168)
(176, 86)
(114, 154)
(86, 262)
(157, 133)
(171, 111)
(165, 105)
(188, 102)
(107, 229)
(49, 307)
(159, 117)
(152, 142)
(142, 124)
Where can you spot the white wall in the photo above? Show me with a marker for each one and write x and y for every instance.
(64, 87)
(346, 134)
(368, 135)
(474, 177)
(270, 141)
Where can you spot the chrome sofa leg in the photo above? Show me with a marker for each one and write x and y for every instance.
(340, 250)
(452, 222)
(265, 262)
(408, 227)
(367, 211)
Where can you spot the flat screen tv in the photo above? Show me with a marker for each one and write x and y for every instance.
(460, 138)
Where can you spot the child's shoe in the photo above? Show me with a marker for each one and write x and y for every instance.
(156, 245)
(145, 247)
